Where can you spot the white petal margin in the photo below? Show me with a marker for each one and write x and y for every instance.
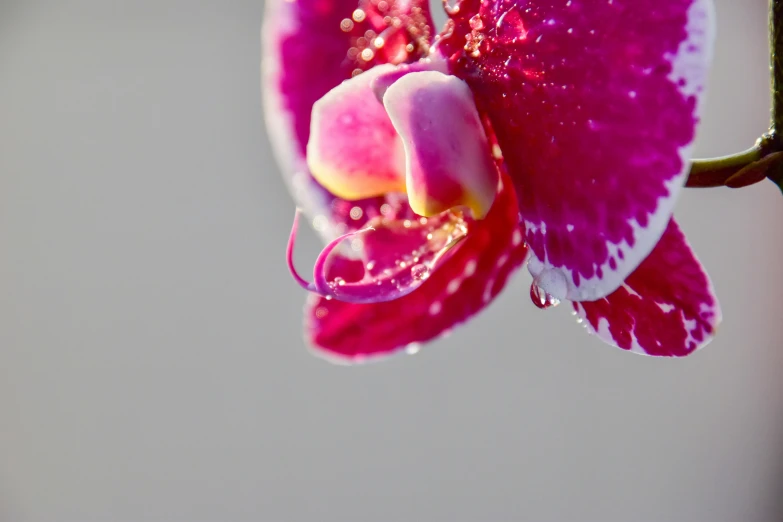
(278, 21)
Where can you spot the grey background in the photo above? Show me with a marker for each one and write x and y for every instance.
(151, 361)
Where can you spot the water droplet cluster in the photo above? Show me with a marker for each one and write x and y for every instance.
(385, 31)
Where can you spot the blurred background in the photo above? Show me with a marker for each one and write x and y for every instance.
(151, 359)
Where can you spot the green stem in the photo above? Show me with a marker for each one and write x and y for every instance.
(765, 159)
(775, 173)
(715, 172)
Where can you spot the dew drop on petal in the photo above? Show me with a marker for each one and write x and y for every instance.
(420, 272)
(542, 299)
(413, 348)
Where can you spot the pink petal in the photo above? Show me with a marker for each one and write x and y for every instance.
(666, 307)
(448, 162)
(595, 105)
(354, 151)
(475, 272)
(306, 52)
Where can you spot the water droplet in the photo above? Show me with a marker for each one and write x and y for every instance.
(338, 281)
(346, 25)
(510, 27)
(451, 9)
(367, 54)
(542, 299)
(476, 23)
(413, 348)
(420, 272)
(370, 265)
(320, 223)
(473, 44)
(358, 15)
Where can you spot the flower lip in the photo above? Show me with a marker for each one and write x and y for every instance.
(464, 283)
(398, 256)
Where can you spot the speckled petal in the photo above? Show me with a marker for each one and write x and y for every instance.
(595, 105)
(666, 307)
(474, 274)
(448, 162)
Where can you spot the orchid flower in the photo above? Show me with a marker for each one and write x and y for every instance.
(555, 133)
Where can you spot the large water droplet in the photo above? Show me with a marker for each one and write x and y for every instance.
(542, 299)
(476, 23)
(548, 288)
(510, 26)
(413, 348)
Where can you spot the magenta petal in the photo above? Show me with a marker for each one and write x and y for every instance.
(594, 105)
(474, 273)
(666, 307)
